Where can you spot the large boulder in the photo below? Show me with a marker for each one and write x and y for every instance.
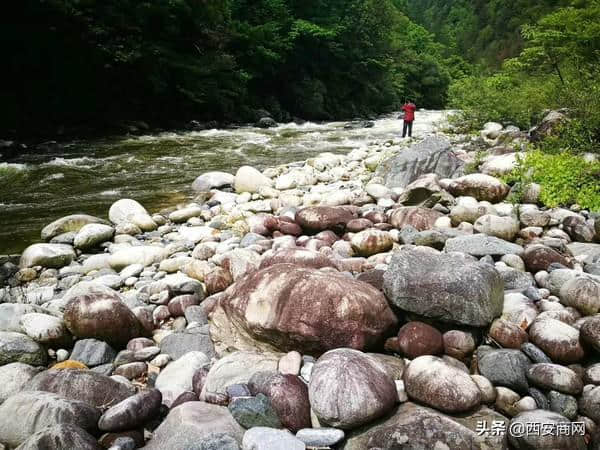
(538, 257)
(448, 287)
(526, 436)
(287, 307)
(197, 425)
(52, 256)
(349, 388)
(435, 382)
(419, 218)
(146, 255)
(14, 377)
(96, 311)
(17, 347)
(482, 187)
(320, 218)
(28, 412)
(89, 387)
(68, 224)
(61, 437)
(417, 427)
(433, 155)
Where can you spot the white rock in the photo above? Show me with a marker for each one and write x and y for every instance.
(92, 235)
(248, 179)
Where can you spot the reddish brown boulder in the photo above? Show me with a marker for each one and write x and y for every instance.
(288, 395)
(96, 311)
(218, 280)
(417, 339)
(356, 225)
(318, 218)
(539, 257)
(178, 305)
(557, 339)
(458, 344)
(288, 307)
(508, 334)
(420, 218)
(298, 256)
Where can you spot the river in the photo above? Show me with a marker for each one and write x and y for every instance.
(158, 170)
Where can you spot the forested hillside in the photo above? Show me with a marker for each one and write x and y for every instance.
(483, 31)
(92, 62)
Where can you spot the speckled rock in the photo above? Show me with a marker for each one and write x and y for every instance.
(348, 388)
(434, 382)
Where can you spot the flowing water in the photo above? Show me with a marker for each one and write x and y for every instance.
(158, 170)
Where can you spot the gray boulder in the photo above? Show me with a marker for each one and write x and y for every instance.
(93, 352)
(84, 385)
(530, 438)
(448, 287)
(47, 255)
(506, 367)
(433, 155)
(28, 412)
(196, 425)
(196, 339)
(17, 347)
(61, 437)
(482, 245)
(13, 378)
(416, 427)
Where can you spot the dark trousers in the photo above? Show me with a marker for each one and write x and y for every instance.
(407, 128)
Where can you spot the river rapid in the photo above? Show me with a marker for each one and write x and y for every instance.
(158, 169)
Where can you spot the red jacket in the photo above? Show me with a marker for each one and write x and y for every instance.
(409, 112)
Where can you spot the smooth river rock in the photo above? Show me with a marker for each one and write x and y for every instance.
(197, 425)
(96, 311)
(84, 385)
(52, 256)
(349, 388)
(446, 287)
(28, 412)
(434, 382)
(287, 307)
(67, 224)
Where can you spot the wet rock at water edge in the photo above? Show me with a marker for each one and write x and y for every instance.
(47, 255)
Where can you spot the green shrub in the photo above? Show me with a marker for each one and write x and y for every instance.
(565, 178)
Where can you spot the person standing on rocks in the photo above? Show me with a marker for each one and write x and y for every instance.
(409, 109)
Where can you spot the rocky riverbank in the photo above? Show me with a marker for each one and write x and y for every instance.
(379, 299)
